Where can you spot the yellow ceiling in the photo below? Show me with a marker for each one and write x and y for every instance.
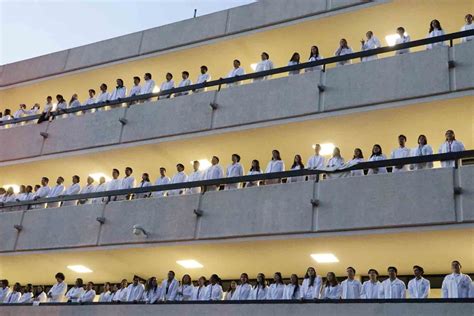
(280, 43)
(434, 250)
(348, 131)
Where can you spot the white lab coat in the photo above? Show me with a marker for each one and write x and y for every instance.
(170, 293)
(456, 286)
(467, 27)
(199, 293)
(195, 176)
(42, 297)
(152, 296)
(87, 296)
(311, 292)
(114, 184)
(311, 59)
(135, 91)
(435, 33)
(103, 97)
(26, 298)
(402, 40)
(234, 170)
(118, 93)
(74, 104)
(419, 151)
(12, 298)
(135, 292)
(57, 292)
(369, 44)
(74, 294)
(253, 183)
(166, 86)
(202, 78)
(106, 297)
(264, 65)
(90, 101)
(400, 153)
(276, 291)
(72, 190)
(296, 179)
(331, 292)
(259, 293)
(393, 289)
(183, 83)
(419, 288)
(143, 184)
(343, 51)
(274, 166)
(185, 292)
(179, 177)
(127, 183)
(354, 162)
(55, 191)
(161, 181)
(242, 292)
(293, 72)
(100, 188)
(19, 113)
(448, 147)
(235, 72)
(148, 87)
(377, 170)
(371, 290)
(88, 188)
(4, 293)
(41, 193)
(213, 293)
(351, 289)
(316, 162)
(335, 163)
(213, 172)
(292, 292)
(120, 295)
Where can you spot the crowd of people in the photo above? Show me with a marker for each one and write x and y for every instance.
(235, 169)
(455, 285)
(103, 95)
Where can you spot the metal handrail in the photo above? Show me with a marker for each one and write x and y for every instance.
(456, 156)
(222, 81)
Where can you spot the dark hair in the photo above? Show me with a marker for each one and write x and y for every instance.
(129, 168)
(136, 78)
(116, 170)
(257, 165)
(311, 278)
(278, 154)
(238, 61)
(294, 56)
(186, 73)
(374, 154)
(334, 282)
(169, 74)
(103, 85)
(263, 280)
(217, 158)
(455, 261)
(236, 156)
(215, 277)
(49, 97)
(8, 112)
(204, 67)
(45, 179)
(419, 268)
(244, 274)
(148, 75)
(5, 282)
(60, 98)
(361, 154)
(80, 282)
(163, 168)
(92, 90)
(266, 54)
(311, 52)
(77, 177)
(183, 282)
(120, 80)
(392, 268)
(180, 165)
(351, 268)
(147, 177)
(373, 270)
(426, 139)
(401, 28)
(300, 163)
(281, 278)
(437, 25)
(60, 275)
(402, 136)
(297, 286)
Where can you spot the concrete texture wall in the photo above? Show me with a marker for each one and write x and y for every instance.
(418, 198)
(9, 137)
(280, 309)
(464, 65)
(201, 29)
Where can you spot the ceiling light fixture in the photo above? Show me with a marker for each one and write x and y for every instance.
(324, 258)
(189, 264)
(79, 268)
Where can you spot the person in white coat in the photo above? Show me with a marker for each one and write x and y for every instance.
(230, 291)
(106, 295)
(456, 284)
(179, 177)
(204, 76)
(101, 187)
(119, 92)
(371, 42)
(144, 184)
(114, 184)
(264, 65)
(42, 192)
(199, 293)
(169, 288)
(277, 288)
(467, 27)
(401, 39)
(434, 31)
(356, 159)
(152, 292)
(73, 189)
(293, 289)
(235, 72)
(184, 83)
(418, 287)
(61, 106)
(316, 161)
(166, 85)
(40, 295)
(56, 191)
(91, 99)
(86, 189)
(334, 163)
(297, 165)
(260, 290)
(4, 289)
(254, 169)
(214, 289)
(423, 149)
(14, 296)
(235, 169)
(57, 293)
(127, 183)
(294, 60)
(121, 293)
(136, 89)
(88, 295)
(372, 288)
(311, 286)
(351, 288)
(104, 96)
(393, 287)
(276, 164)
(401, 152)
(377, 155)
(314, 56)
(331, 290)
(162, 180)
(343, 49)
(450, 145)
(74, 103)
(186, 289)
(213, 172)
(243, 290)
(72, 296)
(196, 175)
(148, 85)
(135, 290)
(27, 296)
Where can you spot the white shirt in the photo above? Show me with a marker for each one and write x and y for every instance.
(202, 78)
(276, 291)
(400, 152)
(152, 296)
(377, 170)
(456, 286)
(88, 188)
(19, 113)
(118, 93)
(369, 44)
(448, 147)
(311, 59)
(199, 293)
(148, 87)
(42, 297)
(292, 292)
(234, 170)
(104, 96)
(293, 72)
(253, 183)
(419, 288)
(259, 293)
(343, 51)
(435, 33)
(42, 192)
(48, 107)
(161, 181)
(87, 296)
(467, 27)
(214, 172)
(393, 289)
(12, 298)
(402, 40)
(100, 188)
(135, 292)
(179, 177)
(296, 179)
(235, 72)
(26, 298)
(185, 292)
(419, 151)
(166, 86)
(90, 101)
(74, 293)
(195, 176)
(351, 289)
(121, 295)
(56, 191)
(331, 292)
(311, 292)
(242, 292)
(114, 184)
(169, 293)
(371, 290)
(72, 190)
(183, 83)
(143, 184)
(106, 297)
(264, 65)
(4, 293)
(275, 166)
(354, 162)
(127, 183)
(57, 292)
(75, 104)
(316, 162)
(135, 90)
